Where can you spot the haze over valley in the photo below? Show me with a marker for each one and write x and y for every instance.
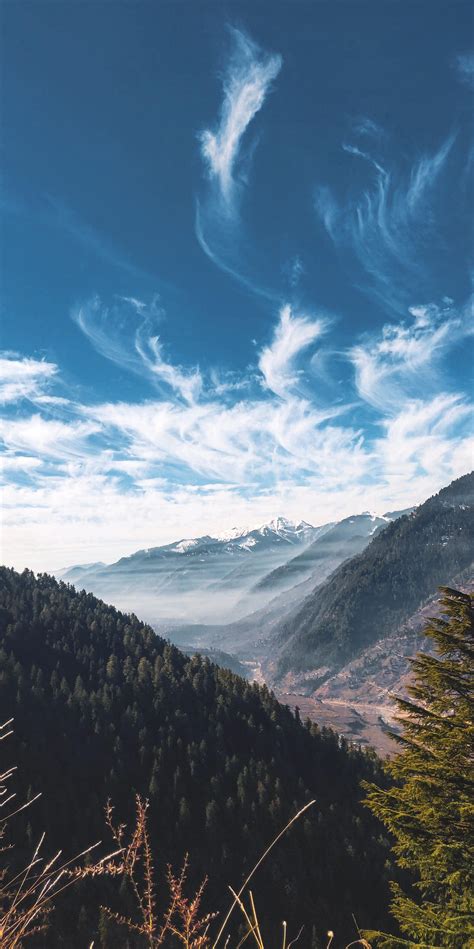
(328, 616)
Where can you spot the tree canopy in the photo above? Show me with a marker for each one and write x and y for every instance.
(105, 708)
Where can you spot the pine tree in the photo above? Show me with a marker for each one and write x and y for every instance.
(430, 808)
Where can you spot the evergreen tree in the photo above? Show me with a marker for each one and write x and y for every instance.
(430, 810)
(115, 711)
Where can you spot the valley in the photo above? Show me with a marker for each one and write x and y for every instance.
(327, 617)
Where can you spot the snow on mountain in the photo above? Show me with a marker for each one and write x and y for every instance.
(184, 545)
(278, 525)
(198, 578)
(215, 579)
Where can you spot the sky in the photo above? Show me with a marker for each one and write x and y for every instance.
(236, 266)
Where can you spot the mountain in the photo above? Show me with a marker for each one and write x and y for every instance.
(370, 596)
(288, 586)
(335, 543)
(105, 708)
(201, 579)
(80, 570)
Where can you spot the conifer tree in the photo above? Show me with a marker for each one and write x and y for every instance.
(430, 808)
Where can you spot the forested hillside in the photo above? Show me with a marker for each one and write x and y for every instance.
(338, 542)
(104, 708)
(372, 594)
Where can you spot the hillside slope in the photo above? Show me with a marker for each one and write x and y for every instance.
(288, 586)
(374, 593)
(105, 708)
(338, 542)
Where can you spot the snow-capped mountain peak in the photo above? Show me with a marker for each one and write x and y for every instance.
(287, 529)
(278, 525)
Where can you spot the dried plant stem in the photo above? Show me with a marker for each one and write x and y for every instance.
(257, 865)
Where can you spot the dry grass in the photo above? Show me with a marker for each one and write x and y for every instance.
(27, 897)
(181, 923)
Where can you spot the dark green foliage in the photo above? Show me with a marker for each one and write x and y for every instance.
(105, 708)
(375, 592)
(430, 810)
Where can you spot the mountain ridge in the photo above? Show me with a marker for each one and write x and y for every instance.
(382, 586)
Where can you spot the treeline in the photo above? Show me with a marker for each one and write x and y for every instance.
(104, 709)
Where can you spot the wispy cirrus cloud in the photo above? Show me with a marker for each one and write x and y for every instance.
(239, 466)
(366, 127)
(277, 362)
(24, 377)
(186, 383)
(248, 76)
(48, 438)
(165, 471)
(387, 227)
(423, 436)
(401, 360)
(125, 333)
(220, 239)
(89, 237)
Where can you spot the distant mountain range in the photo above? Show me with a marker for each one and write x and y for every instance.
(199, 579)
(216, 579)
(281, 590)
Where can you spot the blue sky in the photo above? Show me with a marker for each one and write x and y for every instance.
(236, 266)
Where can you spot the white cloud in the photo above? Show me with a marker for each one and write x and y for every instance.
(186, 384)
(248, 442)
(47, 438)
(401, 360)
(387, 226)
(247, 81)
(292, 336)
(423, 438)
(125, 333)
(23, 378)
(425, 173)
(83, 517)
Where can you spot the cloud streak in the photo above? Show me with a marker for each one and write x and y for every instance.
(277, 363)
(402, 360)
(125, 333)
(389, 224)
(88, 237)
(247, 81)
(24, 377)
